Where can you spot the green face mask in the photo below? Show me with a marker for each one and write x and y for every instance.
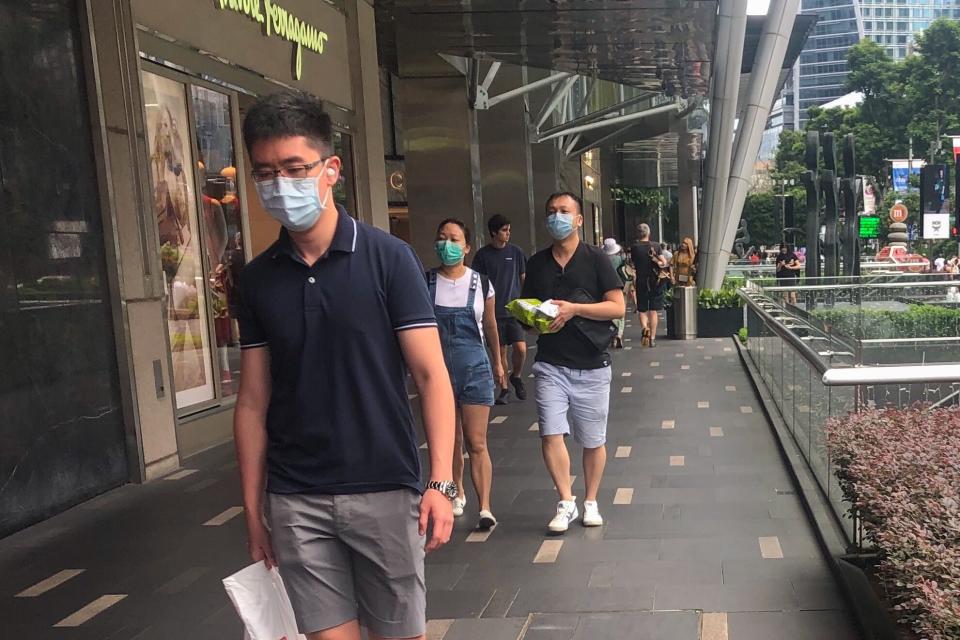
(450, 253)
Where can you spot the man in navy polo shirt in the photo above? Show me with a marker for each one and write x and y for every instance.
(332, 316)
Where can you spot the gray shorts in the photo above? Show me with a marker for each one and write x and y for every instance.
(346, 557)
(584, 394)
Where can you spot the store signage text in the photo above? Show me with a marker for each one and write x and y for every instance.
(279, 22)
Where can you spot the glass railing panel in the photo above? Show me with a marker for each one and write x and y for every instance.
(801, 411)
(819, 412)
(842, 403)
(789, 386)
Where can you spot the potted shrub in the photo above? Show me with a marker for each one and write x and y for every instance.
(719, 312)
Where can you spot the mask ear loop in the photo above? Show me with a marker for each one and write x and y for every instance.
(330, 171)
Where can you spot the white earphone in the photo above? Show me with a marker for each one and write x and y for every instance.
(331, 171)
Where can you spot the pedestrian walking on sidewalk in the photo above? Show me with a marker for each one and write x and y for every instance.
(506, 266)
(464, 305)
(333, 314)
(613, 249)
(572, 370)
(651, 287)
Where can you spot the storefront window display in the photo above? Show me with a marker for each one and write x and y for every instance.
(192, 151)
(175, 206)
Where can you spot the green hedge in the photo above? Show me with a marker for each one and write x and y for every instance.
(918, 321)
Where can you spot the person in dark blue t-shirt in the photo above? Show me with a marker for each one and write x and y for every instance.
(331, 317)
(506, 266)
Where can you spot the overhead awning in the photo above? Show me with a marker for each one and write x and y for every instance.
(664, 48)
(656, 45)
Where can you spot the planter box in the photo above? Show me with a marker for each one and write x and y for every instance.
(719, 323)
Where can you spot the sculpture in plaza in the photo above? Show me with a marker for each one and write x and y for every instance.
(850, 190)
(841, 237)
(829, 185)
(810, 183)
(742, 239)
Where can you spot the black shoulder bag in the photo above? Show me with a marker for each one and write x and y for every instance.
(596, 332)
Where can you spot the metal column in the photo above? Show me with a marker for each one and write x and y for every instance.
(731, 28)
(762, 89)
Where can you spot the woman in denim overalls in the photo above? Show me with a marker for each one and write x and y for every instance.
(463, 301)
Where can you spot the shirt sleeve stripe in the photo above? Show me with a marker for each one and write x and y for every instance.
(417, 325)
(254, 345)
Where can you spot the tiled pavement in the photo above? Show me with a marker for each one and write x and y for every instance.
(704, 537)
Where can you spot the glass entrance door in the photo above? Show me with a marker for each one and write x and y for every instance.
(175, 206)
(193, 171)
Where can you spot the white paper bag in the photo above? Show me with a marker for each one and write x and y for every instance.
(261, 600)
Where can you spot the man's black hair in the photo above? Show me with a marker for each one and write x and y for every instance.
(497, 222)
(569, 194)
(289, 114)
(459, 223)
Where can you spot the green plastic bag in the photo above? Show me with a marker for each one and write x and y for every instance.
(533, 313)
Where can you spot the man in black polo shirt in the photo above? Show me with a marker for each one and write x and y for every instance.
(332, 316)
(506, 266)
(572, 372)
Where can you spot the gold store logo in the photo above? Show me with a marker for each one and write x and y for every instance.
(279, 22)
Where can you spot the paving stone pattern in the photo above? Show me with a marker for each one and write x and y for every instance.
(691, 550)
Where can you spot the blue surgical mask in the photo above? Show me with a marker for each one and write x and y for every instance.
(294, 202)
(560, 225)
(450, 253)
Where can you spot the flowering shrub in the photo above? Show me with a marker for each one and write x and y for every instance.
(900, 469)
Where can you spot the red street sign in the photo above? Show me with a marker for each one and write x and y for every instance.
(899, 213)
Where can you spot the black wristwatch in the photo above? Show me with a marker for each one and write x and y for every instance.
(446, 487)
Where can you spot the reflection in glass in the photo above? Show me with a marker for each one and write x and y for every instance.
(343, 191)
(61, 417)
(175, 206)
(222, 228)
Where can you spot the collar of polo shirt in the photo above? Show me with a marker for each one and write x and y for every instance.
(344, 238)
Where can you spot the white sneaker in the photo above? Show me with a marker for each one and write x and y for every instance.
(566, 511)
(487, 521)
(591, 515)
(458, 505)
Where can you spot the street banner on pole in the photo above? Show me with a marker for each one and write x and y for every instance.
(869, 198)
(901, 169)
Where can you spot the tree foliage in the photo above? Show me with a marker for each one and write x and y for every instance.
(647, 198)
(917, 97)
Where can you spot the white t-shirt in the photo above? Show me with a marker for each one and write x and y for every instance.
(454, 293)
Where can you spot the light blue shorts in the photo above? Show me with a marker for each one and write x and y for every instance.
(581, 394)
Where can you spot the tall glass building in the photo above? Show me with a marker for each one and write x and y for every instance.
(892, 24)
(821, 71)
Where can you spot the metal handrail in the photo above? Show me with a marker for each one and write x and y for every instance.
(855, 375)
(877, 285)
(909, 340)
(777, 327)
(899, 374)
